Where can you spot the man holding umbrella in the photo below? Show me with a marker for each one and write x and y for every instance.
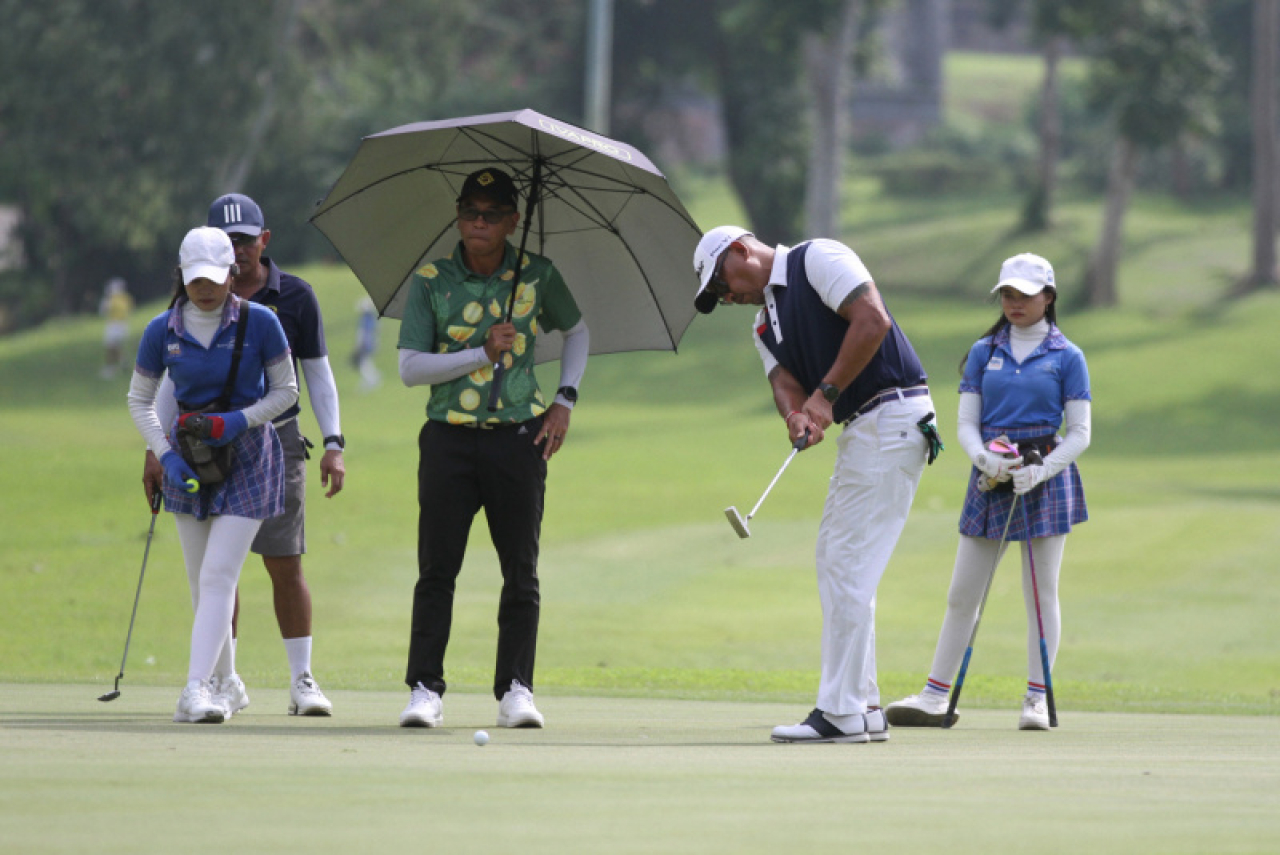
(464, 314)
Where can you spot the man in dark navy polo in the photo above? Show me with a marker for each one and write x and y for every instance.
(833, 353)
(281, 541)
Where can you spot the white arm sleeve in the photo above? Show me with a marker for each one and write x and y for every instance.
(969, 425)
(573, 359)
(1079, 428)
(142, 408)
(282, 395)
(418, 368)
(322, 391)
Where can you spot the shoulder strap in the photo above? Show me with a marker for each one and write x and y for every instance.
(242, 326)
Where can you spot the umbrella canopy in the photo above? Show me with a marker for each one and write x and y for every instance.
(604, 215)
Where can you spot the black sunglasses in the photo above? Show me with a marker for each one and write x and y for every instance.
(492, 216)
(716, 285)
(242, 239)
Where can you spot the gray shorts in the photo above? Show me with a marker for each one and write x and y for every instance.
(284, 535)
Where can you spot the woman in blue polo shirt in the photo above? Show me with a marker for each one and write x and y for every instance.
(1022, 380)
(193, 340)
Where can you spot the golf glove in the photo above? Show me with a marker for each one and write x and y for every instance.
(176, 469)
(996, 467)
(1028, 477)
(216, 429)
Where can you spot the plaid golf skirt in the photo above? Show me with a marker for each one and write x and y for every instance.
(1051, 508)
(254, 489)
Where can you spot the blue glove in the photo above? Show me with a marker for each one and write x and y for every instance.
(178, 472)
(217, 429)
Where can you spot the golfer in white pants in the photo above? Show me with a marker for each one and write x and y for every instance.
(833, 353)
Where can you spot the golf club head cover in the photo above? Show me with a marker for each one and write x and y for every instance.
(997, 467)
(215, 429)
(176, 469)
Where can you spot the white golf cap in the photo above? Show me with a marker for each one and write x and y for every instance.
(1027, 272)
(706, 255)
(206, 253)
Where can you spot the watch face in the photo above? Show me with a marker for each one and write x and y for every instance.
(830, 392)
(570, 394)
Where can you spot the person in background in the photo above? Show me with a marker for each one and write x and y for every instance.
(1022, 380)
(236, 397)
(282, 539)
(116, 307)
(366, 344)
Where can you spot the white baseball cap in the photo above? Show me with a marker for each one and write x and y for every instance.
(206, 253)
(1028, 273)
(706, 255)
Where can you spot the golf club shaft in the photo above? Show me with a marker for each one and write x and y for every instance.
(1044, 648)
(786, 463)
(157, 497)
(950, 717)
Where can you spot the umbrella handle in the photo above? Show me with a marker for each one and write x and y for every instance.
(535, 184)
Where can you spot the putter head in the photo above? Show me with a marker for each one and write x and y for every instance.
(737, 521)
(109, 696)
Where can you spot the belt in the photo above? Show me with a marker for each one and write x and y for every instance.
(886, 395)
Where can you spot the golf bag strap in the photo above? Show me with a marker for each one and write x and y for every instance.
(242, 327)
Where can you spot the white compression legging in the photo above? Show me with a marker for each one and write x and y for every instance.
(214, 551)
(975, 558)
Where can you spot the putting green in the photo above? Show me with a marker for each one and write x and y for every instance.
(617, 775)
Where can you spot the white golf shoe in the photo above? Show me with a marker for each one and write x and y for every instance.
(926, 709)
(426, 709)
(1035, 712)
(196, 705)
(516, 708)
(229, 692)
(305, 697)
(816, 728)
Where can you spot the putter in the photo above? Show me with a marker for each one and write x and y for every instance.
(156, 498)
(1033, 458)
(950, 718)
(736, 519)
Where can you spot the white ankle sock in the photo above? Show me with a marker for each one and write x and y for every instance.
(299, 652)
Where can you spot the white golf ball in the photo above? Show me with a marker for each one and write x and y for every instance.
(481, 737)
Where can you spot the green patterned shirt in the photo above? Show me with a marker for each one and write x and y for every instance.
(449, 308)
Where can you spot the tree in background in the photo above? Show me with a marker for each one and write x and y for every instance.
(1154, 72)
(1266, 29)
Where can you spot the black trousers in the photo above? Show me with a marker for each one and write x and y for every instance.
(460, 471)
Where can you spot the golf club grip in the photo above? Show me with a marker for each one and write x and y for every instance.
(495, 388)
(157, 498)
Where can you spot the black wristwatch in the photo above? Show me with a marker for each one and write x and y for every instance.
(338, 440)
(829, 391)
(569, 393)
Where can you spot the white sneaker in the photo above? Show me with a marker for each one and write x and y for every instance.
(876, 725)
(196, 704)
(305, 697)
(1035, 712)
(926, 709)
(816, 728)
(426, 709)
(516, 708)
(229, 693)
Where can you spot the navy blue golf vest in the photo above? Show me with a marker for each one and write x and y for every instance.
(811, 337)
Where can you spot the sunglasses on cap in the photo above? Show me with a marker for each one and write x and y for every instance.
(492, 216)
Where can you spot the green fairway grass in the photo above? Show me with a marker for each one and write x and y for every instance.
(1168, 591)
(619, 776)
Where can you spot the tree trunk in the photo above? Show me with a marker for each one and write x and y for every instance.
(1100, 278)
(1263, 107)
(239, 164)
(827, 61)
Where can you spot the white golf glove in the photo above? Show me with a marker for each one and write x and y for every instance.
(995, 466)
(1027, 477)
